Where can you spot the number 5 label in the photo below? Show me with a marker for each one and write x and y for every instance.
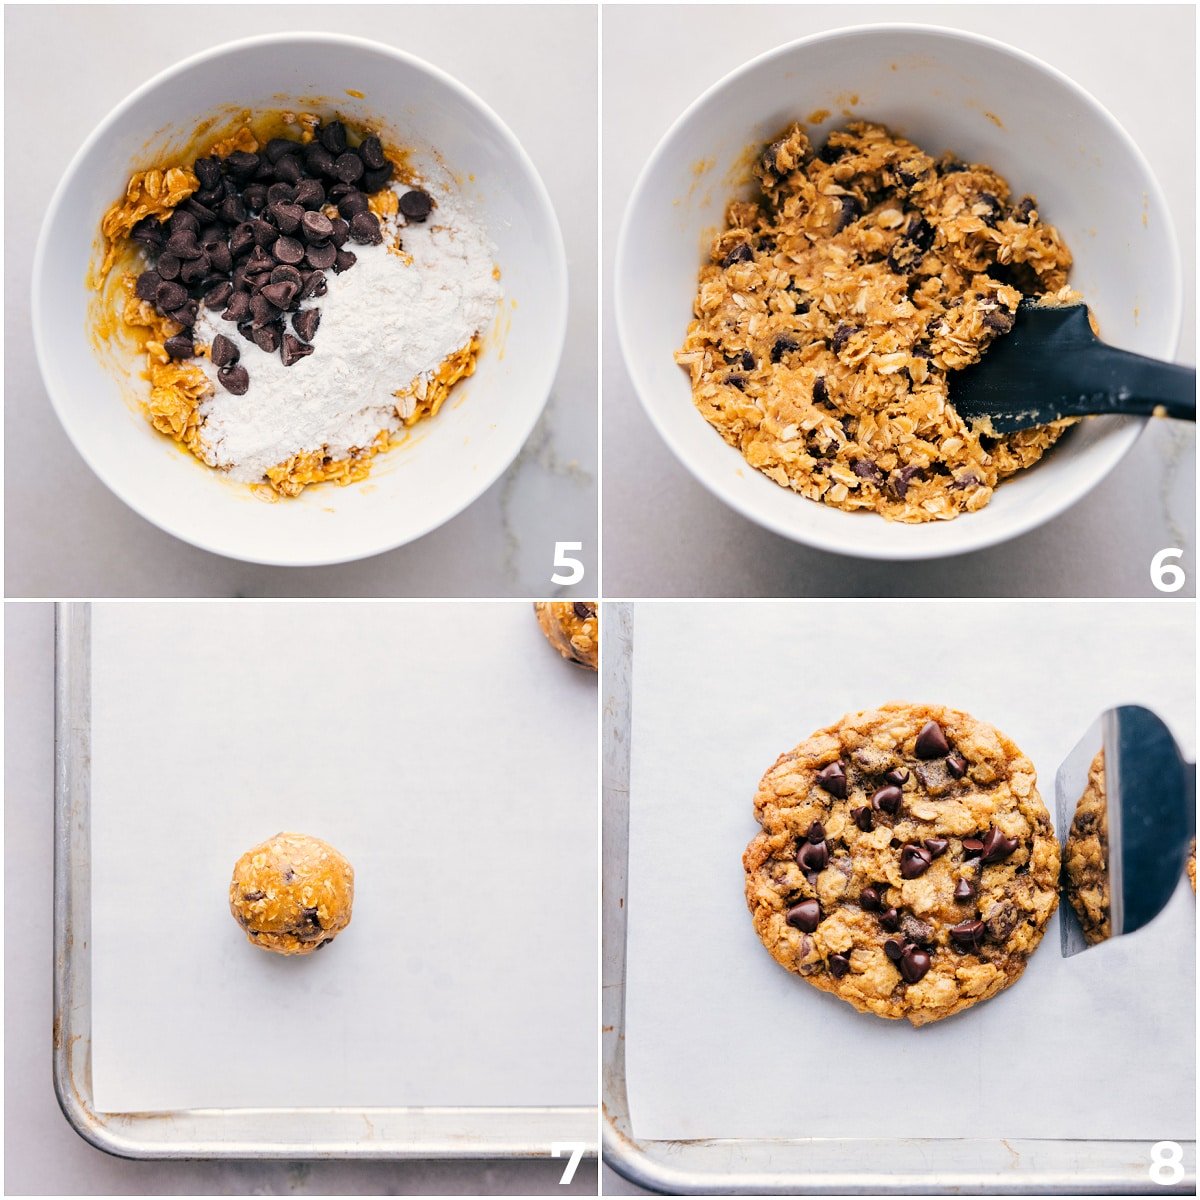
(563, 559)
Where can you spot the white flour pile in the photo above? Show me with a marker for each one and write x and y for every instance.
(385, 324)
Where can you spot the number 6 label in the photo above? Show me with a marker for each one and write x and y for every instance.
(1166, 1162)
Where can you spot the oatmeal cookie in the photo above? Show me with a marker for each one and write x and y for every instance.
(836, 304)
(292, 894)
(906, 861)
(1085, 864)
(573, 629)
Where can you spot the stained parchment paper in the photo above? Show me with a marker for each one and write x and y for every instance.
(447, 751)
(721, 1042)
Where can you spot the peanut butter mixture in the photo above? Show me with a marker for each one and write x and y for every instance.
(837, 302)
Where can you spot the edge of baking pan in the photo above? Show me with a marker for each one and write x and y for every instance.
(311, 1133)
(810, 1166)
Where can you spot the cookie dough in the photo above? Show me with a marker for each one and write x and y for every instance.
(1085, 865)
(292, 894)
(906, 861)
(837, 302)
(572, 628)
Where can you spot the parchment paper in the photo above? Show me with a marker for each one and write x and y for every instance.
(724, 1043)
(447, 751)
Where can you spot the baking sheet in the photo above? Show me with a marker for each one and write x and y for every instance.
(447, 751)
(721, 1042)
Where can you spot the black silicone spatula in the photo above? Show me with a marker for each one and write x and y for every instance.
(1051, 365)
(1147, 823)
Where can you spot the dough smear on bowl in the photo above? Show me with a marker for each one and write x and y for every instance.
(837, 302)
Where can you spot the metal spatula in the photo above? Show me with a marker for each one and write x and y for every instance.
(1151, 816)
(1051, 365)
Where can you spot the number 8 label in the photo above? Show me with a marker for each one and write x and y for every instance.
(1166, 1162)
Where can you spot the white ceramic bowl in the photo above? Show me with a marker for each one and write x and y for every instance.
(945, 90)
(452, 459)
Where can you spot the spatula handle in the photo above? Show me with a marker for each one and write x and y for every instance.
(1118, 381)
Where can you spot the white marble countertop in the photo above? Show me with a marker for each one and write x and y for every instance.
(665, 535)
(67, 535)
(43, 1154)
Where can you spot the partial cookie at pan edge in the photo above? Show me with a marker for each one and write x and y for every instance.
(906, 861)
(572, 628)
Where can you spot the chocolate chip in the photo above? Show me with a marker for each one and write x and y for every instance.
(956, 765)
(820, 392)
(184, 244)
(739, 254)
(322, 257)
(344, 260)
(996, 846)
(288, 169)
(313, 285)
(915, 964)
(170, 296)
(887, 799)
(293, 350)
(288, 250)
(416, 205)
(871, 898)
(967, 934)
(805, 916)
(281, 294)
(898, 481)
(232, 210)
(914, 861)
(833, 779)
(816, 832)
(310, 194)
(865, 469)
(317, 226)
(1024, 211)
(239, 307)
(370, 150)
(783, 344)
(221, 258)
(254, 196)
(181, 221)
(264, 232)
(350, 205)
(332, 136)
(585, 611)
(319, 160)
(964, 890)
(269, 338)
(839, 965)
(287, 216)
(931, 741)
(280, 193)
(936, 846)
(323, 943)
(849, 211)
(364, 229)
(841, 335)
(812, 857)
(890, 919)
(262, 311)
(180, 346)
(242, 238)
(341, 232)
(254, 897)
(999, 320)
(168, 266)
(348, 166)
(1001, 919)
(224, 351)
(305, 323)
(894, 949)
(898, 776)
(373, 179)
(234, 379)
(863, 819)
(147, 286)
(972, 847)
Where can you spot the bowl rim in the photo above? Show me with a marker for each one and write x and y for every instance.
(1121, 437)
(554, 246)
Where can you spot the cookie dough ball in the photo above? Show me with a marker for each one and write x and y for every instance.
(906, 861)
(292, 894)
(1085, 864)
(573, 629)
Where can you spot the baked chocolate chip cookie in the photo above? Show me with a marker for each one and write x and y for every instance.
(906, 861)
(572, 628)
(1085, 863)
(292, 894)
